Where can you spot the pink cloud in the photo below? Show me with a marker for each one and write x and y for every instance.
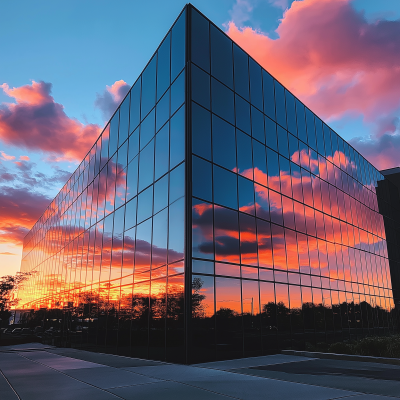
(19, 210)
(6, 156)
(109, 100)
(333, 59)
(24, 158)
(36, 122)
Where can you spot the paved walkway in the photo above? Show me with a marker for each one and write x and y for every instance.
(34, 371)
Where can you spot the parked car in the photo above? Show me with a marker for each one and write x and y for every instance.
(8, 330)
(16, 331)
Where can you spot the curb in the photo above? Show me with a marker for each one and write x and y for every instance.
(344, 357)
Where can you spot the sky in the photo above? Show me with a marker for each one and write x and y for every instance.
(66, 66)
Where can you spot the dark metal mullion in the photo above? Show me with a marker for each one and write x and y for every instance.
(188, 193)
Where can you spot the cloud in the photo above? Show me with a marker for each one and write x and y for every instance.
(279, 3)
(19, 210)
(6, 156)
(36, 122)
(109, 100)
(333, 59)
(7, 253)
(241, 11)
(24, 158)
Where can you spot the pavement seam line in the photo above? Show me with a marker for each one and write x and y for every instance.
(261, 365)
(9, 383)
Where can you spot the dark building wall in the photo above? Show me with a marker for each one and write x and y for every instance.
(388, 194)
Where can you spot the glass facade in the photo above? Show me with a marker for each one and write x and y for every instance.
(215, 217)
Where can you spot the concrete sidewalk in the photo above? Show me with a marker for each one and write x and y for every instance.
(31, 372)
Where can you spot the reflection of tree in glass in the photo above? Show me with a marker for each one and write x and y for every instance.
(198, 307)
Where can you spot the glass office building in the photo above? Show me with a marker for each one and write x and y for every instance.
(215, 217)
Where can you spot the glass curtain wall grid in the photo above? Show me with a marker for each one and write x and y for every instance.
(215, 217)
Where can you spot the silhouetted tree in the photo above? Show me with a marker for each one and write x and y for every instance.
(9, 285)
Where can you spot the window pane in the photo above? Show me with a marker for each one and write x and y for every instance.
(257, 125)
(133, 145)
(311, 129)
(222, 101)
(145, 205)
(241, 72)
(149, 87)
(161, 194)
(242, 113)
(177, 138)
(221, 57)
(200, 41)
(178, 93)
(224, 148)
(134, 118)
(283, 144)
(130, 214)
(163, 67)
(176, 237)
(201, 179)
(147, 129)
(248, 240)
(203, 267)
(143, 247)
(225, 187)
(280, 104)
(255, 84)
(228, 299)
(244, 161)
(270, 134)
(264, 245)
(200, 87)
(124, 120)
(132, 179)
(246, 196)
(269, 97)
(226, 235)
(162, 111)
(160, 236)
(260, 163)
(262, 202)
(162, 152)
(177, 183)
(178, 46)
(291, 113)
(301, 121)
(146, 166)
(202, 230)
(201, 131)
(113, 141)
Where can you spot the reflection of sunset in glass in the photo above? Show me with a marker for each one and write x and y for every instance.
(215, 217)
